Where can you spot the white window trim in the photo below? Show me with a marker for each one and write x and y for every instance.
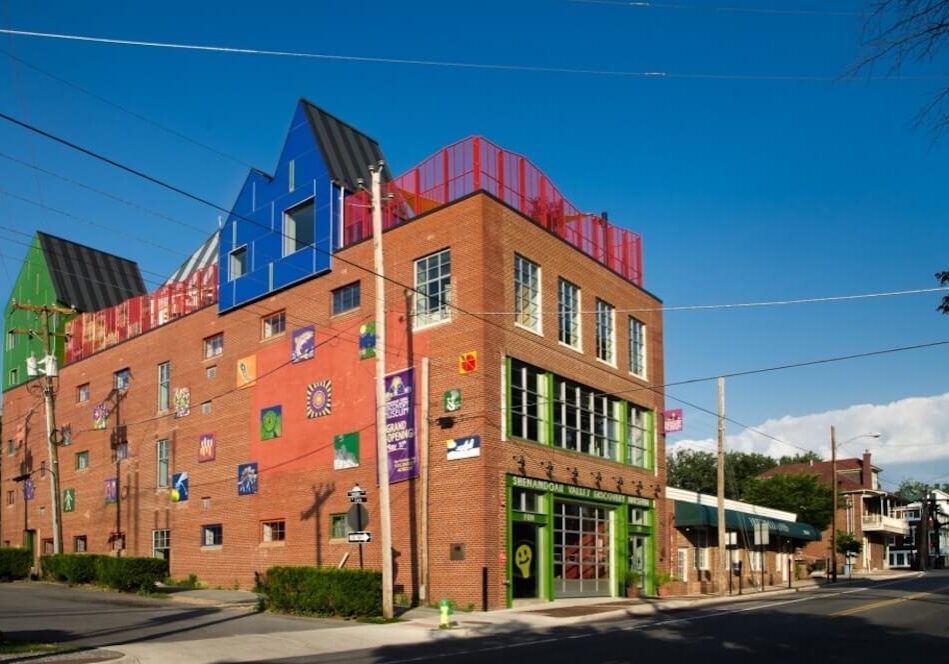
(579, 314)
(612, 340)
(629, 327)
(539, 328)
(449, 295)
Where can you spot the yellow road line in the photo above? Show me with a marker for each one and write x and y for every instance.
(880, 604)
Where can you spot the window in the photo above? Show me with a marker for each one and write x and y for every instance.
(291, 175)
(527, 395)
(164, 386)
(210, 372)
(682, 564)
(47, 546)
(299, 227)
(638, 421)
(586, 421)
(527, 293)
(11, 340)
(701, 549)
(122, 451)
(79, 544)
(82, 393)
(206, 408)
(161, 543)
(273, 324)
(339, 527)
(212, 535)
(346, 298)
(122, 378)
(432, 288)
(14, 376)
(637, 347)
(11, 497)
(214, 345)
(11, 447)
(205, 503)
(237, 263)
(523, 500)
(163, 465)
(638, 515)
(605, 342)
(82, 460)
(273, 531)
(568, 314)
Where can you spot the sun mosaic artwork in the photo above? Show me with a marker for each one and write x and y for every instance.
(319, 399)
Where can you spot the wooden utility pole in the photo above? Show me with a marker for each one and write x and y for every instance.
(833, 517)
(723, 558)
(44, 312)
(382, 450)
(423, 484)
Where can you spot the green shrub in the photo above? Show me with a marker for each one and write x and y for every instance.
(324, 591)
(15, 563)
(71, 568)
(130, 574)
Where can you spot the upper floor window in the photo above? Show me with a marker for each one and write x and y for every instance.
(273, 324)
(11, 340)
(527, 293)
(82, 460)
(346, 298)
(637, 347)
(237, 263)
(299, 227)
(527, 401)
(585, 420)
(163, 463)
(605, 336)
(164, 386)
(214, 345)
(14, 376)
(433, 288)
(122, 378)
(568, 313)
(82, 393)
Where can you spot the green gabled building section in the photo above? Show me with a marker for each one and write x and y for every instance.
(65, 274)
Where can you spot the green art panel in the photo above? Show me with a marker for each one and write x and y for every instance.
(346, 451)
(271, 422)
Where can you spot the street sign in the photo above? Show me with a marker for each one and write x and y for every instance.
(357, 517)
(356, 495)
(360, 537)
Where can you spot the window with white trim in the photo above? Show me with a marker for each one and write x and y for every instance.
(214, 345)
(164, 386)
(638, 437)
(637, 347)
(605, 336)
(212, 535)
(163, 464)
(273, 531)
(568, 313)
(299, 227)
(527, 293)
(433, 288)
(272, 325)
(161, 543)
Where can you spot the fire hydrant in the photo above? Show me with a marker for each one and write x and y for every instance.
(444, 613)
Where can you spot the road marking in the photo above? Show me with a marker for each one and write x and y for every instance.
(885, 602)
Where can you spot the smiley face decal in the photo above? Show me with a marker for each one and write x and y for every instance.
(523, 557)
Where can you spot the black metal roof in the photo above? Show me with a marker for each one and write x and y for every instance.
(347, 151)
(89, 279)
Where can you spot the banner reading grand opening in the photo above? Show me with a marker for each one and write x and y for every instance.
(400, 425)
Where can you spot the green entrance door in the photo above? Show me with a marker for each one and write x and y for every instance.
(525, 560)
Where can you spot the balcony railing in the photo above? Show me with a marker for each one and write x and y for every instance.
(475, 164)
(886, 524)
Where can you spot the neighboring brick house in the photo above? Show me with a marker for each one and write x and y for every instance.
(225, 438)
(693, 539)
(904, 549)
(865, 509)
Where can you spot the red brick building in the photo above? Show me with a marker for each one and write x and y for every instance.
(222, 421)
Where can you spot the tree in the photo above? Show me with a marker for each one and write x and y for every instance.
(694, 470)
(901, 32)
(913, 490)
(943, 278)
(802, 494)
(848, 544)
(807, 457)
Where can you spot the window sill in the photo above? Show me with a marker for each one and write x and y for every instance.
(527, 328)
(575, 349)
(610, 363)
(279, 544)
(212, 547)
(428, 326)
(637, 376)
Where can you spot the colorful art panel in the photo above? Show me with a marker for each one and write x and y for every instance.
(69, 500)
(111, 489)
(29, 489)
(271, 422)
(464, 448)
(367, 340)
(303, 344)
(247, 371)
(207, 450)
(179, 487)
(182, 402)
(319, 399)
(400, 425)
(451, 401)
(672, 420)
(346, 451)
(468, 362)
(100, 416)
(247, 479)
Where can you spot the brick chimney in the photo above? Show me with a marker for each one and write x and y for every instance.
(866, 471)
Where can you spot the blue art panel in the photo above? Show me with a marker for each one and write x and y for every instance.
(247, 479)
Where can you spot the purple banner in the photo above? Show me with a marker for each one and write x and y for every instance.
(400, 425)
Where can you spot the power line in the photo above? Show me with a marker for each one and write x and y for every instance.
(454, 64)
(732, 10)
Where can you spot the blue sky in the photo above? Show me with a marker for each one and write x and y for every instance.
(752, 171)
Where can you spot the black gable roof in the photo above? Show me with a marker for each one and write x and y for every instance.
(89, 279)
(347, 151)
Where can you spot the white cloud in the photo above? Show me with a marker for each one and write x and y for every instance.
(914, 440)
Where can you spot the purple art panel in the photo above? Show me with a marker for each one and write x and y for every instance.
(400, 425)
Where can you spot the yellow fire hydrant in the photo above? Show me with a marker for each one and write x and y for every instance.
(444, 614)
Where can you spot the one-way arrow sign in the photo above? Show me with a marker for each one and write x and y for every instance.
(360, 537)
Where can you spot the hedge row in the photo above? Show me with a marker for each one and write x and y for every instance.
(15, 563)
(324, 591)
(124, 574)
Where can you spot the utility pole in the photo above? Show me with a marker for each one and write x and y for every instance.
(44, 312)
(833, 514)
(382, 451)
(723, 558)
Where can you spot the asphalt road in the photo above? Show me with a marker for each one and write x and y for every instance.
(40, 612)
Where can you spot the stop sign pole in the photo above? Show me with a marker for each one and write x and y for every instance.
(355, 516)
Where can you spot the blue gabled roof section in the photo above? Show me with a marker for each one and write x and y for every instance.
(261, 249)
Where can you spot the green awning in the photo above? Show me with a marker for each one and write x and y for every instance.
(690, 514)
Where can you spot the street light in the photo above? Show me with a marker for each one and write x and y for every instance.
(833, 481)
